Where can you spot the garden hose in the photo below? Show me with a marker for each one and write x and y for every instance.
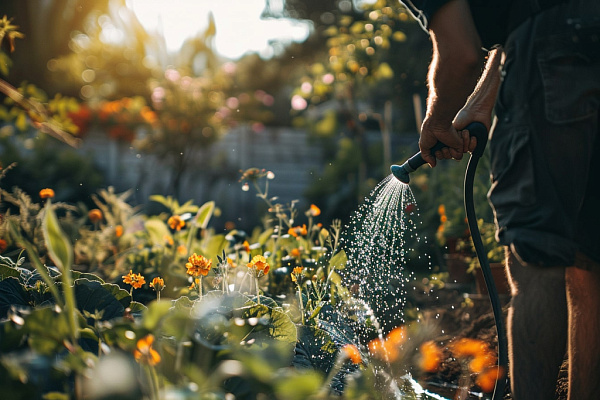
(402, 173)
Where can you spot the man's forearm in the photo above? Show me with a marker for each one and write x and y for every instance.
(456, 62)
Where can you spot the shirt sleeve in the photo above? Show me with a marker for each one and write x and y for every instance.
(423, 10)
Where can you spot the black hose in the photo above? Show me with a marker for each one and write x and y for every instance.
(485, 268)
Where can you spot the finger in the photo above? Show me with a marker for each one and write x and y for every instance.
(429, 159)
(466, 140)
(472, 144)
(456, 154)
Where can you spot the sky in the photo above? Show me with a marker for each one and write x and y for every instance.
(239, 27)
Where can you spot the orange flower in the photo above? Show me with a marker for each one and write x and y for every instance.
(118, 231)
(352, 353)
(314, 211)
(95, 215)
(442, 209)
(481, 362)
(46, 193)
(466, 347)
(195, 283)
(296, 274)
(389, 348)
(198, 265)
(135, 280)
(259, 265)
(144, 352)
(431, 356)
(157, 284)
(181, 249)
(246, 246)
(176, 223)
(487, 380)
(298, 231)
(3, 245)
(295, 253)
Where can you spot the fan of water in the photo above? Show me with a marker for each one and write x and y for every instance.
(376, 242)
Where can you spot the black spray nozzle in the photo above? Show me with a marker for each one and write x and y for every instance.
(401, 172)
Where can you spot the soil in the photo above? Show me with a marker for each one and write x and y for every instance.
(461, 314)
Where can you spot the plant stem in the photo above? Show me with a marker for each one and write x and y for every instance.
(257, 290)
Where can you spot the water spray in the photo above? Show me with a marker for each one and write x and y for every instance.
(401, 172)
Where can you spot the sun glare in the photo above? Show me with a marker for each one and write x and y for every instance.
(239, 27)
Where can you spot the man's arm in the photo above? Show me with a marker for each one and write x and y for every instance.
(453, 74)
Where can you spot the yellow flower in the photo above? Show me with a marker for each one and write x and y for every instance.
(198, 265)
(431, 356)
(46, 193)
(175, 222)
(259, 265)
(135, 280)
(352, 353)
(298, 231)
(95, 215)
(157, 284)
(144, 352)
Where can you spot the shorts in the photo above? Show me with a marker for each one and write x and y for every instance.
(545, 148)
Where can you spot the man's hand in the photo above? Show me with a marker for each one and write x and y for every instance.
(457, 142)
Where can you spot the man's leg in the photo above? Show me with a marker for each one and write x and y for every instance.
(583, 297)
(537, 329)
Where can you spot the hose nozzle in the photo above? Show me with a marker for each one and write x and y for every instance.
(401, 172)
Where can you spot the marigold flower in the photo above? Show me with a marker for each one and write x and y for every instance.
(198, 265)
(181, 249)
(231, 263)
(295, 253)
(441, 209)
(118, 231)
(481, 362)
(95, 215)
(314, 210)
(487, 380)
(259, 265)
(195, 283)
(466, 347)
(144, 352)
(297, 271)
(157, 284)
(135, 280)
(3, 245)
(389, 348)
(298, 231)
(175, 222)
(431, 356)
(46, 193)
(169, 240)
(246, 246)
(352, 353)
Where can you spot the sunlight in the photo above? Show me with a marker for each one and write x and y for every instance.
(239, 27)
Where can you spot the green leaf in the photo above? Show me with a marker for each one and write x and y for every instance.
(157, 230)
(156, 312)
(12, 293)
(56, 396)
(47, 330)
(109, 299)
(262, 239)
(298, 386)
(339, 260)
(205, 213)
(7, 271)
(214, 245)
(86, 275)
(58, 244)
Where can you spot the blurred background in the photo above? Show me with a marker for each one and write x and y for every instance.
(178, 97)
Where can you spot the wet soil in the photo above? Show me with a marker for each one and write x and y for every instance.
(462, 314)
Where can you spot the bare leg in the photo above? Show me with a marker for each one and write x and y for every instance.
(583, 296)
(537, 329)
